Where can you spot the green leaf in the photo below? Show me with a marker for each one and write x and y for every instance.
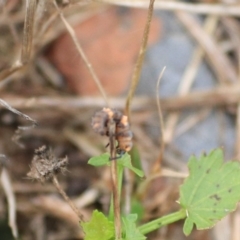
(211, 191)
(99, 225)
(99, 160)
(188, 226)
(131, 230)
(125, 161)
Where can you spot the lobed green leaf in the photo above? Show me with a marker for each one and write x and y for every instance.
(131, 231)
(211, 191)
(98, 226)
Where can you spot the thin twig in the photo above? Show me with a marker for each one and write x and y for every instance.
(116, 197)
(67, 199)
(139, 63)
(200, 8)
(81, 53)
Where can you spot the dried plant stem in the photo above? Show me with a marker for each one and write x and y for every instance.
(9, 71)
(28, 31)
(67, 199)
(191, 121)
(139, 63)
(10, 108)
(218, 61)
(188, 78)
(7, 187)
(26, 42)
(220, 96)
(116, 197)
(116, 200)
(201, 8)
(81, 53)
(157, 164)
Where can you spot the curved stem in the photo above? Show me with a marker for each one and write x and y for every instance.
(155, 224)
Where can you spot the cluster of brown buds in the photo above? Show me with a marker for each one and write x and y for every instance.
(123, 134)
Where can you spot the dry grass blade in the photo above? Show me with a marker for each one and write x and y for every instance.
(139, 63)
(19, 131)
(9, 71)
(157, 164)
(220, 64)
(26, 42)
(7, 106)
(82, 54)
(7, 187)
(191, 121)
(188, 78)
(220, 96)
(200, 8)
(28, 31)
(10, 24)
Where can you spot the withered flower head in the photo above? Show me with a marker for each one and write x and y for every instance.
(45, 164)
(123, 133)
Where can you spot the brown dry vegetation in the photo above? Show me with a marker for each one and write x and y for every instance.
(63, 107)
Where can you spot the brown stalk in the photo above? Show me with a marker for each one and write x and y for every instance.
(81, 53)
(66, 198)
(28, 31)
(139, 63)
(116, 197)
(26, 42)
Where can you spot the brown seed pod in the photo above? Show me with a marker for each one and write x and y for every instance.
(123, 133)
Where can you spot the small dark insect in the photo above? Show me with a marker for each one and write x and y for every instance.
(123, 133)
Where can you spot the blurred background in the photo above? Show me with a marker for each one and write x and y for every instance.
(43, 75)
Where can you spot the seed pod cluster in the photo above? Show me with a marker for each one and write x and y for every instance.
(123, 133)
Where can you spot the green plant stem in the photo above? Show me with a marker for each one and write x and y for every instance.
(120, 177)
(155, 224)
